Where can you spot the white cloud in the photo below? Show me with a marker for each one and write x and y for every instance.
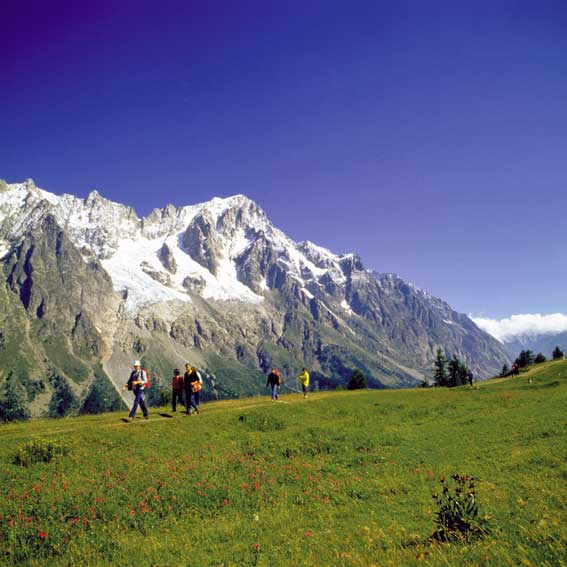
(528, 324)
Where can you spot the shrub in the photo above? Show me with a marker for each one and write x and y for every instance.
(457, 516)
(39, 451)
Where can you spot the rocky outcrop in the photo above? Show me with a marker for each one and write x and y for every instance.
(167, 259)
(199, 241)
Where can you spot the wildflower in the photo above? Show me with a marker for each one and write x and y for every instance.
(256, 546)
(308, 533)
(42, 535)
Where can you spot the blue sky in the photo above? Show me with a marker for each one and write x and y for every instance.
(431, 138)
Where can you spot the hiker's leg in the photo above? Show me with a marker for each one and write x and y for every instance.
(174, 400)
(187, 400)
(143, 404)
(195, 401)
(136, 403)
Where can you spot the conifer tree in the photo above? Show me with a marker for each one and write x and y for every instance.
(504, 370)
(525, 359)
(440, 375)
(357, 380)
(13, 403)
(457, 372)
(558, 354)
(540, 358)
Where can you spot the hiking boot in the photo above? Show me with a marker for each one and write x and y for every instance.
(146, 417)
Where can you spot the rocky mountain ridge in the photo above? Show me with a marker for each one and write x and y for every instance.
(215, 283)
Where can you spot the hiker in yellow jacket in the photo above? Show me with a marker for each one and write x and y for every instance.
(304, 379)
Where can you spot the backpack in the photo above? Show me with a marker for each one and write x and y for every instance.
(149, 382)
(278, 374)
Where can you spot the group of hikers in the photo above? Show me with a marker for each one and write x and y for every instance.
(274, 381)
(186, 388)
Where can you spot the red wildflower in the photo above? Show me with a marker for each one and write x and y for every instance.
(256, 546)
(42, 535)
(308, 533)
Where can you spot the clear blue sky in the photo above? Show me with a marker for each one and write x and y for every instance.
(430, 137)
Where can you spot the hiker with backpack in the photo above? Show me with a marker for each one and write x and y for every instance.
(304, 379)
(193, 384)
(177, 387)
(137, 383)
(274, 380)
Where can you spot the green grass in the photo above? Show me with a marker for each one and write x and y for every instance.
(338, 479)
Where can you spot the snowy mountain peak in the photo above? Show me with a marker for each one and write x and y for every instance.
(176, 252)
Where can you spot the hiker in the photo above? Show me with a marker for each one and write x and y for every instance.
(176, 389)
(193, 383)
(274, 380)
(137, 383)
(515, 369)
(470, 377)
(304, 379)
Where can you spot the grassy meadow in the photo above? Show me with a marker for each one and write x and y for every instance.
(342, 478)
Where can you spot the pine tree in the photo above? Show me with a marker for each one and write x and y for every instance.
(63, 400)
(504, 370)
(558, 354)
(525, 359)
(357, 380)
(13, 405)
(440, 375)
(540, 358)
(457, 372)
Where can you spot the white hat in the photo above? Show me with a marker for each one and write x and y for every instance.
(137, 363)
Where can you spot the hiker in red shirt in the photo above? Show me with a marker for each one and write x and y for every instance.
(176, 389)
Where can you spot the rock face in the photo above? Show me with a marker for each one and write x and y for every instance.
(89, 286)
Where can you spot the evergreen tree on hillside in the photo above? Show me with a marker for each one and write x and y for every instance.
(504, 370)
(357, 380)
(440, 375)
(457, 372)
(63, 400)
(540, 358)
(13, 403)
(525, 359)
(558, 354)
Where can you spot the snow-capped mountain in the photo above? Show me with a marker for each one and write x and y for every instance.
(90, 285)
(528, 331)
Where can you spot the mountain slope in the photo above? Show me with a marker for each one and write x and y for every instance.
(215, 283)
